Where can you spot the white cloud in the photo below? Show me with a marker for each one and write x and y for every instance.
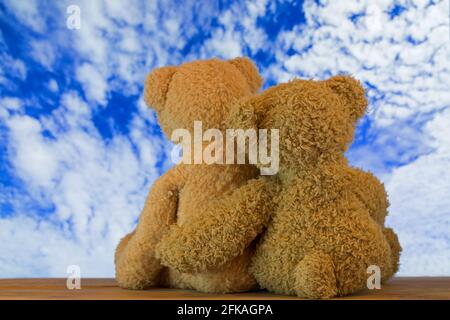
(11, 68)
(124, 12)
(224, 44)
(53, 85)
(237, 27)
(43, 52)
(96, 189)
(34, 160)
(32, 247)
(28, 13)
(130, 41)
(19, 69)
(94, 84)
(122, 41)
(93, 189)
(420, 204)
(90, 40)
(11, 103)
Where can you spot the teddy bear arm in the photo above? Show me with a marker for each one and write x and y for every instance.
(250, 112)
(136, 264)
(161, 204)
(243, 114)
(221, 233)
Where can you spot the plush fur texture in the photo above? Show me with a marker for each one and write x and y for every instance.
(328, 225)
(323, 219)
(178, 208)
(327, 218)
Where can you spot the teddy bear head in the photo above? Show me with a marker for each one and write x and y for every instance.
(316, 119)
(319, 120)
(201, 90)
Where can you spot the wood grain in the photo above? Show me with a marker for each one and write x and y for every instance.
(105, 289)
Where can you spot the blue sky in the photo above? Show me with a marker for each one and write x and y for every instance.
(79, 148)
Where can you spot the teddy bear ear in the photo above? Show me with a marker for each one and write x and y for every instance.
(250, 72)
(157, 85)
(352, 93)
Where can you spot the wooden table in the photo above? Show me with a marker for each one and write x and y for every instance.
(43, 289)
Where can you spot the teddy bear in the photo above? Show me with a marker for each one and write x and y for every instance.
(178, 202)
(328, 226)
(327, 218)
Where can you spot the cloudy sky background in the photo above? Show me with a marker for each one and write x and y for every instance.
(79, 149)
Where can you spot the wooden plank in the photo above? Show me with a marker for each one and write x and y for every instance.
(43, 289)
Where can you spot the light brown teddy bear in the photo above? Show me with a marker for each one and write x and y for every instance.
(178, 201)
(327, 225)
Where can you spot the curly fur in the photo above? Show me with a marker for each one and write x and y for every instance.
(178, 210)
(328, 226)
(319, 223)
